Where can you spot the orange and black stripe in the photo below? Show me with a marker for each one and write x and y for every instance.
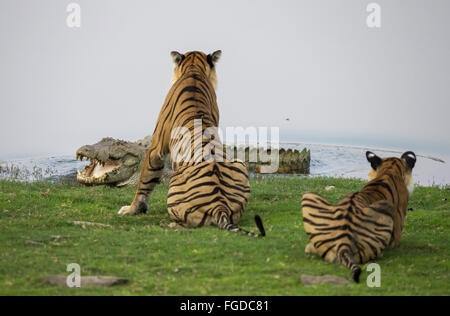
(362, 224)
(201, 191)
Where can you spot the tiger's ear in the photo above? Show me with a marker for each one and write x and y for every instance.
(374, 160)
(177, 58)
(214, 58)
(410, 158)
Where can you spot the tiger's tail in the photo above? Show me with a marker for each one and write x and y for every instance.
(347, 259)
(259, 224)
(319, 216)
(225, 224)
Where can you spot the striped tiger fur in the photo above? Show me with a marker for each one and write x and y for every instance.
(362, 224)
(202, 191)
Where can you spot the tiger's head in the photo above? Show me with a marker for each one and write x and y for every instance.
(402, 166)
(198, 60)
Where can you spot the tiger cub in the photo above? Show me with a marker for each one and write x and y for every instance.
(362, 224)
(202, 190)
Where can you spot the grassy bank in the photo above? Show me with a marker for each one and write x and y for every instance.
(36, 240)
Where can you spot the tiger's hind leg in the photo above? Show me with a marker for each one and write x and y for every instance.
(329, 257)
(310, 249)
(175, 225)
(151, 173)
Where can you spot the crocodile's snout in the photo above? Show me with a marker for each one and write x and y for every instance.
(111, 161)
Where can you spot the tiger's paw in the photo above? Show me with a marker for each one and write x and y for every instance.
(127, 210)
(310, 249)
(175, 226)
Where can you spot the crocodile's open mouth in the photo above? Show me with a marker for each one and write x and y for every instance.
(97, 171)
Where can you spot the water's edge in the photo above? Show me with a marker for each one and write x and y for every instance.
(326, 160)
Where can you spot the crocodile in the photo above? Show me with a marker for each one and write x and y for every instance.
(119, 163)
(112, 162)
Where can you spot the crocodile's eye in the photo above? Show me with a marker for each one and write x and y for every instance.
(117, 152)
(131, 162)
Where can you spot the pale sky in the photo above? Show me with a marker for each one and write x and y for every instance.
(315, 62)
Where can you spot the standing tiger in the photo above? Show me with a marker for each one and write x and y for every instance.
(202, 191)
(362, 224)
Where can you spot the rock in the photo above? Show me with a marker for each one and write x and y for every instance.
(33, 243)
(330, 187)
(61, 280)
(326, 279)
(84, 224)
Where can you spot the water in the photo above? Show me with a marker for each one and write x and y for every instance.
(350, 162)
(35, 169)
(326, 160)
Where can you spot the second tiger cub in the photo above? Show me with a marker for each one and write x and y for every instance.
(362, 224)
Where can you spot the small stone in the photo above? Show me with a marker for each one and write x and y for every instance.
(61, 280)
(33, 243)
(84, 224)
(330, 187)
(326, 279)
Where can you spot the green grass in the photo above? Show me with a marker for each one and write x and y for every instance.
(206, 261)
